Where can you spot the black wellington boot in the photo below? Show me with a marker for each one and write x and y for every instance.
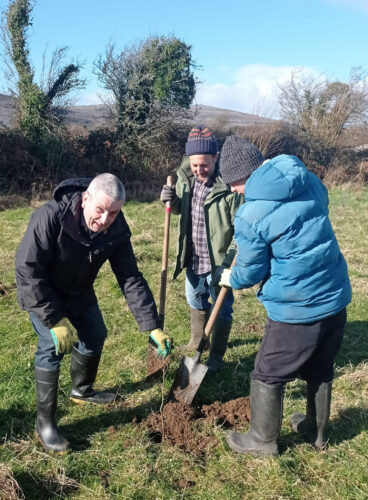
(219, 339)
(83, 370)
(266, 406)
(313, 424)
(51, 437)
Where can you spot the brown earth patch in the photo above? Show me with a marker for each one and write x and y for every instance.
(180, 425)
(254, 328)
(234, 412)
(5, 290)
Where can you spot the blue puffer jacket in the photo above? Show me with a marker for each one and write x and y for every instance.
(285, 240)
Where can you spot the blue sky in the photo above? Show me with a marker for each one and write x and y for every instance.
(244, 47)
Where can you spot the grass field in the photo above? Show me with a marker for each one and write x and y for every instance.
(114, 457)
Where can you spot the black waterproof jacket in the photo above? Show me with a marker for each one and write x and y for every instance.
(57, 261)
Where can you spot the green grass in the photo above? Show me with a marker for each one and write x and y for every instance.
(113, 457)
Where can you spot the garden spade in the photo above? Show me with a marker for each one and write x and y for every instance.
(154, 362)
(191, 372)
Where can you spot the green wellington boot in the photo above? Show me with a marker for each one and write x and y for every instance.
(313, 424)
(47, 431)
(266, 406)
(219, 340)
(83, 370)
(198, 321)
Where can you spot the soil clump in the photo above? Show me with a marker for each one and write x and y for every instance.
(181, 425)
(155, 365)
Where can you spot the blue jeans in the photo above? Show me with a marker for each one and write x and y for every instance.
(91, 332)
(198, 289)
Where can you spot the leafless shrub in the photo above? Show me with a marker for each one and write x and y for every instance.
(321, 112)
(271, 137)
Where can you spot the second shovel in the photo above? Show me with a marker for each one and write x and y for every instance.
(154, 362)
(191, 371)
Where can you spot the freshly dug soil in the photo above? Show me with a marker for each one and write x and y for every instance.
(179, 424)
(234, 412)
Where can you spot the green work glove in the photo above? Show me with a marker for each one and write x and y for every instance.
(162, 341)
(62, 336)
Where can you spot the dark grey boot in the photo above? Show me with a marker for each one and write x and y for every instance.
(51, 437)
(83, 370)
(198, 321)
(219, 340)
(313, 424)
(265, 421)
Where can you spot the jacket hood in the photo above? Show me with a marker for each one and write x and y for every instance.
(282, 178)
(67, 188)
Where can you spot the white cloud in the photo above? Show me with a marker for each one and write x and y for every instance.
(252, 89)
(360, 5)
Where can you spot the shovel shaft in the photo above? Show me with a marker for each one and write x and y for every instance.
(165, 254)
(211, 320)
(215, 311)
(216, 308)
(154, 363)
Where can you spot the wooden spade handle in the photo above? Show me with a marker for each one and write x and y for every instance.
(165, 253)
(217, 306)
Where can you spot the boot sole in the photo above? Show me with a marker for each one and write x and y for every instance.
(87, 402)
(252, 452)
(53, 452)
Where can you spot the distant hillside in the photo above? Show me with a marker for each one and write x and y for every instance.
(95, 116)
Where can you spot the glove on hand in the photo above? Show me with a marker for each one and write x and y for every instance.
(162, 341)
(167, 194)
(225, 278)
(217, 275)
(62, 336)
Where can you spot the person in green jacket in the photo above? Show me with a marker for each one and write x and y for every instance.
(206, 208)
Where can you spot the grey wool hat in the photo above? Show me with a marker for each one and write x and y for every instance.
(239, 159)
(201, 141)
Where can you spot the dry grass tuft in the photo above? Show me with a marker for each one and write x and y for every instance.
(59, 483)
(9, 488)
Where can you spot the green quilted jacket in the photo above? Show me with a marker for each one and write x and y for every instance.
(220, 207)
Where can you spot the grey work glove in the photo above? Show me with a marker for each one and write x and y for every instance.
(167, 194)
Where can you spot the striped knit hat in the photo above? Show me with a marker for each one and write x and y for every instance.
(201, 141)
(239, 159)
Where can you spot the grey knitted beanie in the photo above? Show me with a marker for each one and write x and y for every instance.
(239, 159)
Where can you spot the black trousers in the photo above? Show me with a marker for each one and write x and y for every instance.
(305, 350)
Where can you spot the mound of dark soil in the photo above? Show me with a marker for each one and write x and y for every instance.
(234, 412)
(180, 425)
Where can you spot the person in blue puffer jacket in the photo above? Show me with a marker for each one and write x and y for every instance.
(286, 243)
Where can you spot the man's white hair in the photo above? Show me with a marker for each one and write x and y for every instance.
(108, 184)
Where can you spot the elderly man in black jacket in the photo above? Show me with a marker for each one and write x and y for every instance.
(66, 242)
